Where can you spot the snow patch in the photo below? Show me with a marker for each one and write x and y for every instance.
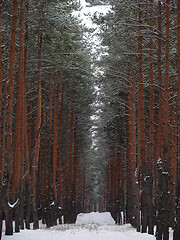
(52, 204)
(95, 218)
(14, 204)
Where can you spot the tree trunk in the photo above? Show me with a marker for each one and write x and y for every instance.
(45, 170)
(163, 183)
(75, 159)
(55, 144)
(71, 148)
(160, 124)
(1, 84)
(18, 170)
(133, 191)
(1, 159)
(59, 151)
(28, 204)
(141, 133)
(162, 205)
(37, 140)
(176, 235)
(26, 187)
(55, 139)
(66, 164)
(166, 107)
(149, 179)
(1, 215)
(10, 91)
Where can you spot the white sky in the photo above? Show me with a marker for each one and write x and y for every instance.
(87, 12)
(86, 15)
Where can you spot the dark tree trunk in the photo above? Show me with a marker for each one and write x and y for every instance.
(176, 235)
(48, 215)
(134, 214)
(147, 206)
(28, 206)
(68, 211)
(1, 215)
(17, 219)
(8, 221)
(7, 211)
(21, 211)
(163, 206)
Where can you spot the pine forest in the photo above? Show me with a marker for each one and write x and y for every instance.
(90, 117)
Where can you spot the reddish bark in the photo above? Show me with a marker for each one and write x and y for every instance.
(3, 136)
(59, 149)
(30, 122)
(38, 138)
(141, 120)
(50, 107)
(45, 184)
(66, 164)
(160, 123)
(24, 108)
(10, 90)
(55, 138)
(151, 107)
(71, 147)
(75, 161)
(173, 139)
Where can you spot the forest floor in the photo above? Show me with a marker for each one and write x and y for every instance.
(80, 231)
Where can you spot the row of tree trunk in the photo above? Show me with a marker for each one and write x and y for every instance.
(143, 179)
(36, 180)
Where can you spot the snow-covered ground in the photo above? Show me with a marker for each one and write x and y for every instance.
(83, 232)
(84, 229)
(103, 218)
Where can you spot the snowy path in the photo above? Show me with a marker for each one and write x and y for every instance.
(81, 232)
(89, 226)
